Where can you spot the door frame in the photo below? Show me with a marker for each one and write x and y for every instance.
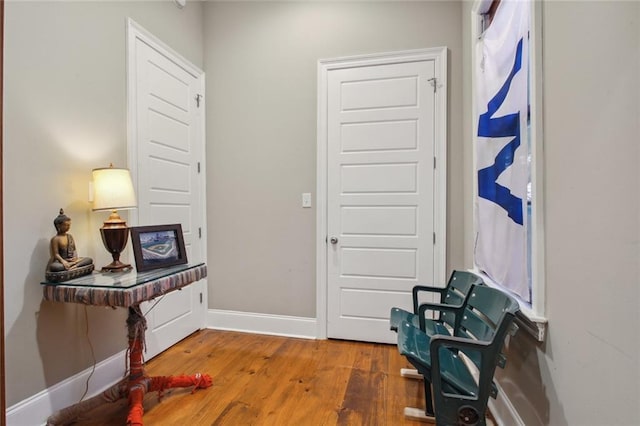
(136, 32)
(439, 56)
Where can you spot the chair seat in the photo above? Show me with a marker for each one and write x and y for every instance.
(399, 315)
(414, 344)
(431, 326)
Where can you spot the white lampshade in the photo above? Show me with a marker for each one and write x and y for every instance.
(113, 189)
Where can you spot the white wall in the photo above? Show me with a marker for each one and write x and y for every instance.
(587, 372)
(261, 63)
(65, 114)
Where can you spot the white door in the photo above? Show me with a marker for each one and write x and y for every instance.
(168, 147)
(380, 194)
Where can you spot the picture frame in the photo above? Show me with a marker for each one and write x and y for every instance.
(158, 246)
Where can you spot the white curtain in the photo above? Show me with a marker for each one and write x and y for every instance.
(501, 99)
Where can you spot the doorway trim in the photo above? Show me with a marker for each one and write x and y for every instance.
(3, 399)
(439, 56)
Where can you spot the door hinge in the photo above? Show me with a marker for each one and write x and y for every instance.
(434, 238)
(434, 83)
(198, 97)
(198, 167)
(200, 233)
(434, 162)
(201, 298)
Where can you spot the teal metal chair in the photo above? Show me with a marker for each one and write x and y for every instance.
(458, 398)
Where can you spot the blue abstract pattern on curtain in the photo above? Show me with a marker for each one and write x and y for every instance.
(501, 99)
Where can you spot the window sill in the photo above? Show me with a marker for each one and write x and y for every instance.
(534, 324)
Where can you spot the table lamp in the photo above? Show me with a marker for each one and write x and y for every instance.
(113, 190)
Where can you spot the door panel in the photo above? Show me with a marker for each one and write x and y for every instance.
(359, 304)
(379, 92)
(380, 194)
(359, 178)
(378, 262)
(169, 145)
(373, 220)
(385, 135)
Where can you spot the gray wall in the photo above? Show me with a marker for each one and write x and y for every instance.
(261, 63)
(65, 114)
(587, 370)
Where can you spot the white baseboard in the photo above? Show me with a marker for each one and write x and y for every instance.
(36, 409)
(277, 325)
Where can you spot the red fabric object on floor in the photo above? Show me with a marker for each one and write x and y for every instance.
(136, 410)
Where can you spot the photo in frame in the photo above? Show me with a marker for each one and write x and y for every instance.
(158, 246)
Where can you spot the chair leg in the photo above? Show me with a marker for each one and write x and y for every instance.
(426, 415)
(428, 397)
(410, 373)
(418, 415)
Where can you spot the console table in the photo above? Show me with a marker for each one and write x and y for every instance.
(128, 290)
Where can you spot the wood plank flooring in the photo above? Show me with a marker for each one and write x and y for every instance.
(268, 380)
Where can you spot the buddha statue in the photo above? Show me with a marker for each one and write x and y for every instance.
(64, 262)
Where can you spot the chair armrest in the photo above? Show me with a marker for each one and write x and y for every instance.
(420, 288)
(485, 370)
(436, 307)
(456, 342)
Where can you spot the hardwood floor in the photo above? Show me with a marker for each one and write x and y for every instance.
(267, 380)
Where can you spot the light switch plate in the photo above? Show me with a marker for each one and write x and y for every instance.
(306, 199)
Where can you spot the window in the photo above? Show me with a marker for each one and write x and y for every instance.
(508, 222)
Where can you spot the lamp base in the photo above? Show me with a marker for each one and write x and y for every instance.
(116, 266)
(114, 236)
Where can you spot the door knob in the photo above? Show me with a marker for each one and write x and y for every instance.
(334, 240)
